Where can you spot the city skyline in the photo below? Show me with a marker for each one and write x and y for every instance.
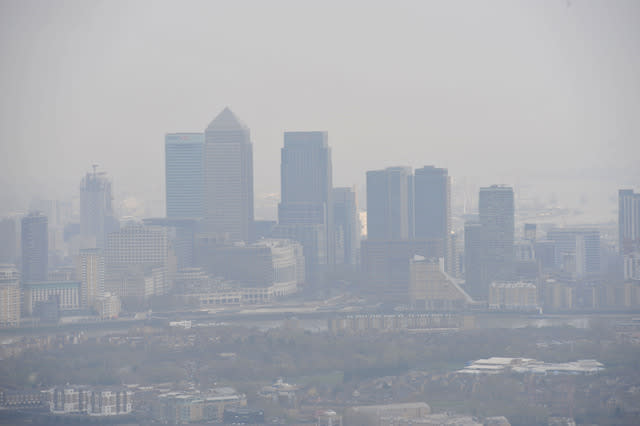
(514, 95)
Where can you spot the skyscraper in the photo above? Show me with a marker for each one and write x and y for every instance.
(306, 184)
(183, 174)
(432, 205)
(96, 212)
(346, 225)
(228, 178)
(628, 221)
(496, 208)
(35, 248)
(390, 204)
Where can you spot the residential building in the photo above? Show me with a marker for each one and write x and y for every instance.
(9, 296)
(90, 271)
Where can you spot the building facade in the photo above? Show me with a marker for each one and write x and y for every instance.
(628, 221)
(577, 251)
(35, 248)
(433, 209)
(67, 293)
(390, 204)
(90, 271)
(346, 226)
(306, 190)
(497, 218)
(228, 178)
(183, 174)
(9, 296)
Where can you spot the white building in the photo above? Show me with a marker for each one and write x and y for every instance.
(67, 292)
(516, 296)
(9, 296)
(93, 402)
(108, 306)
(90, 271)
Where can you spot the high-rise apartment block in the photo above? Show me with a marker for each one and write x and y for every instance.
(96, 211)
(184, 174)
(228, 178)
(90, 271)
(9, 296)
(35, 247)
(628, 221)
(390, 204)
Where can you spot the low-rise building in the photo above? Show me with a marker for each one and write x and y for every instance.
(513, 296)
(67, 292)
(90, 401)
(191, 407)
(383, 415)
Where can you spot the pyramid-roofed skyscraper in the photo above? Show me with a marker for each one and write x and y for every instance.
(228, 178)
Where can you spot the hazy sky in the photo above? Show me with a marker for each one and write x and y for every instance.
(499, 90)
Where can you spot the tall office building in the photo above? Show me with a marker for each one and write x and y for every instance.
(96, 211)
(90, 271)
(496, 208)
(306, 185)
(35, 247)
(628, 221)
(183, 174)
(432, 205)
(390, 204)
(346, 226)
(228, 178)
